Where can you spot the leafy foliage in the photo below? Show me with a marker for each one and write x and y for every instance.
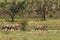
(31, 8)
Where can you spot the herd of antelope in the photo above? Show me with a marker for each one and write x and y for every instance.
(11, 26)
(17, 26)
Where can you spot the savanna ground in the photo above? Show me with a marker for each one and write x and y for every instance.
(33, 35)
(53, 32)
(53, 26)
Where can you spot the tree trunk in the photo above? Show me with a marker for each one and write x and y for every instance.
(12, 18)
(12, 15)
(44, 14)
(44, 18)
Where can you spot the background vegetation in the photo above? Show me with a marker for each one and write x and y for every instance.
(28, 12)
(34, 11)
(41, 9)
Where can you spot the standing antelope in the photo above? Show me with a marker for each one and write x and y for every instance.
(40, 27)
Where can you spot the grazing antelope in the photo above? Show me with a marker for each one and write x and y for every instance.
(15, 26)
(41, 27)
(6, 27)
(11, 26)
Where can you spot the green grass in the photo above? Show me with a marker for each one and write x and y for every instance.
(52, 24)
(35, 35)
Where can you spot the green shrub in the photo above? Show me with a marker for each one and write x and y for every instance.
(24, 24)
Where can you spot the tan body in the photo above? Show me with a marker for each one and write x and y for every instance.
(11, 26)
(41, 27)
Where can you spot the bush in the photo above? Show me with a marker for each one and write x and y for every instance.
(23, 23)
